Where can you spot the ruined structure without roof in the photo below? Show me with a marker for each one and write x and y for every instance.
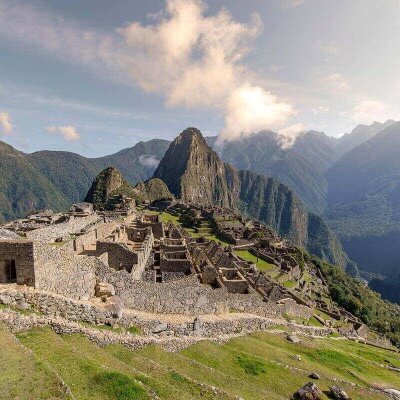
(133, 261)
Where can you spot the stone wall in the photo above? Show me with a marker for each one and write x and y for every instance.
(184, 296)
(175, 265)
(100, 231)
(63, 230)
(21, 253)
(119, 255)
(59, 270)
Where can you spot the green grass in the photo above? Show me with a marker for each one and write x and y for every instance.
(251, 366)
(258, 366)
(261, 264)
(118, 386)
(22, 375)
(135, 330)
(289, 284)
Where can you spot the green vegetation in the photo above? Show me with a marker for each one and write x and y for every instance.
(258, 366)
(312, 321)
(118, 386)
(22, 375)
(108, 184)
(135, 330)
(152, 190)
(361, 301)
(261, 264)
(251, 366)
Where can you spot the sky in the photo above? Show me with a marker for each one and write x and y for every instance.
(94, 76)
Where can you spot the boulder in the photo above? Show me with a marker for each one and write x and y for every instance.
(160, 328)
(104, 289)
(393, 392)
(314, 375)
(338, 393)
(310, 391)
(293, 338)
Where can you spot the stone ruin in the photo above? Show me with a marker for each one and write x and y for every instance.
(137, 261)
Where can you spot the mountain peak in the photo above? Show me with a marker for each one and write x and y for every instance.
(107, 183)
(190, 133)
(193, 171)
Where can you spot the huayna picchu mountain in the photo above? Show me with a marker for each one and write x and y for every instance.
(194, 173)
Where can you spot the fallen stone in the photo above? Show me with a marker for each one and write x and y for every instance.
(310, 391)
(104, 289)
(338, 393)
(160, 328)
(393, 392)
(297, 357)
(314, 375)
(22, 305)
(293, 338)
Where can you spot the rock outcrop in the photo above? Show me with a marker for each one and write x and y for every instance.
(152, 190)
(108, 183)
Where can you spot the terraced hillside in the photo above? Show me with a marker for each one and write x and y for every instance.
(40, 364)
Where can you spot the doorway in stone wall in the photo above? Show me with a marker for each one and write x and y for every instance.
(11, 271)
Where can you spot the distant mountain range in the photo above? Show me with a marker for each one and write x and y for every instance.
(55, 179)
(364, 202)
(352, 182)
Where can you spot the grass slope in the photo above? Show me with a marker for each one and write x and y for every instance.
(258, 366)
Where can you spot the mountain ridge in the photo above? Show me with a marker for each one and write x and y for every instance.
(195, 173)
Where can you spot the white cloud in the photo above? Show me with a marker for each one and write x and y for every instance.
(292, 3)
(330, 48)
(190, 58)
(149, 161)
(251, 109)
(336, 82)
(277, 68)
(289, 134)
(369, 111)
(196, 61)
(5, 123)
(320, 110)
(68, 132)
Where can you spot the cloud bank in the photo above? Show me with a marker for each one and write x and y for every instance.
(68, 132)
(149, 161)
(5, 123)
(190, 58)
